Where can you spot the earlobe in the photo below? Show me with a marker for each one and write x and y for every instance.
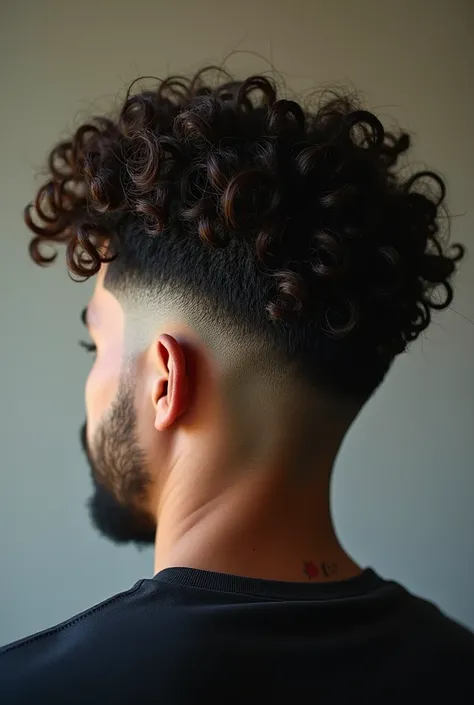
(170, 393)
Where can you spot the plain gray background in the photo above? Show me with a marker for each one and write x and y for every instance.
(404, 483)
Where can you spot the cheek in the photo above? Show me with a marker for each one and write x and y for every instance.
(101, 387)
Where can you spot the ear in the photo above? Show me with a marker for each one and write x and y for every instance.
(170, 390)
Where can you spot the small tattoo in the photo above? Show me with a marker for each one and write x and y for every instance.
(329, 569)
(311, 570)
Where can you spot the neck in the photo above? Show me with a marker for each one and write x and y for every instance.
(266, 522)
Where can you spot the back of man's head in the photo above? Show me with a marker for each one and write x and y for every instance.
(257, 217)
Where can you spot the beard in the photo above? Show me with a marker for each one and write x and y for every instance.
(119, 476)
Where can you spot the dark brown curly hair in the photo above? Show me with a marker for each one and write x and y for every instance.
(291, 222)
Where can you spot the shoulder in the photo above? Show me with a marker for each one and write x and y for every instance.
(437, 640)
(75, 623)
(43, 662)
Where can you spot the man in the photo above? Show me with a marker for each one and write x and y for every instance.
(258, 268)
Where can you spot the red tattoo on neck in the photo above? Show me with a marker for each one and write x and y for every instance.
(310, 569)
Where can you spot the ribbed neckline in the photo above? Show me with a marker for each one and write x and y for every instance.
(362, 584)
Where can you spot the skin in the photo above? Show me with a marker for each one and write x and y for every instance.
(218, 505)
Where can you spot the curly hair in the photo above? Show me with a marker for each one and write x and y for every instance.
(292, 221)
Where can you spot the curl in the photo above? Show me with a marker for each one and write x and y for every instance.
(422, 177)
(364, 129)
(292, 295)
(341, 319)
(143, 162)
(328, 260)
(285, 117)
(256, 84)
(249, 199)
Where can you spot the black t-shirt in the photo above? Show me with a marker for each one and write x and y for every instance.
(191, 636)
